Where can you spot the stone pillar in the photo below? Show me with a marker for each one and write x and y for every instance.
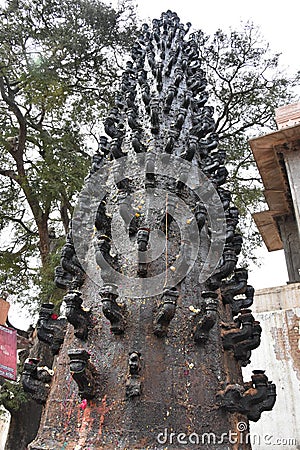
(156, 361)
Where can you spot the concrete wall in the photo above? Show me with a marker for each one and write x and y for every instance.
(278, 310)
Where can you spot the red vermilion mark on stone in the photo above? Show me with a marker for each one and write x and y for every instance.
(102, 412)
(67, 412)
(86, 425)
(83, 404)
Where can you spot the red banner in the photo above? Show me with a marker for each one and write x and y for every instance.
(8, 353)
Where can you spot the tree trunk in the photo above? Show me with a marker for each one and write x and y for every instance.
(44, 241)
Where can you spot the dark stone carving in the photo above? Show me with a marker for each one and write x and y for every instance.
(104, 259)
(237, 243)
(237, 285)
(187, 99)
(159, 73)
(243, 302)
(111, 310)
(70, 265)
(178, 76)
(133, 383)
(180, 118)
(110, 123)
(103, 246)
(197, 84)
(62, 278)
(208, 144)
(208, 318)
(239, 330)
(154, 115)
(127, 214)
(220, 176)
(242, 336)
(97, 161)
(232, 219)
(242, 350)
(173, 135)
(76, 315)
(132, 117)
(225, 197)
(202, 122)
(170, 212)
(142, 239)
(51, 329)
(191, 150)
(210, 164)
(224, 269)
(102, 221)
(83, 373)
(166, 311)
(142, 242)
(170, 95)
(200, 215)
(162, 110)
(115, 147)
(251, 398)
(146, 97)
(137, 144)
(142, 77)
(170, 63)
(150, 170)
(35, 380)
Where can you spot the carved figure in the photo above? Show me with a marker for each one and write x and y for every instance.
(236, 285)
(76, 315)
(166, 311)
(35, 380)
(242, 336)
(83, 373)
(133, 384)
(252, 398)
(208, 318)
(224, 268)
(70, 264)
(111, 310)
(51, 329)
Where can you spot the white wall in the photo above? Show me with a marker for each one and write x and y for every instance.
(278, 310)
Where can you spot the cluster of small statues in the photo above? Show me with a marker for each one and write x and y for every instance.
(162, 99)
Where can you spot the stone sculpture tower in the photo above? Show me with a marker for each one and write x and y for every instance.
(153, 359)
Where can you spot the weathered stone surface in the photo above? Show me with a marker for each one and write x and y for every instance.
(162, 149)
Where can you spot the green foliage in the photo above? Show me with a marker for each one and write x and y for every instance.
(12, 396)
(58, 69)
(45, 276)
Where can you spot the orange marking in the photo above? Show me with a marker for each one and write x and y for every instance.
(102, 412)
(87, 423)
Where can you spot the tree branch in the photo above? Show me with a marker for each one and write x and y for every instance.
(9, 99)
